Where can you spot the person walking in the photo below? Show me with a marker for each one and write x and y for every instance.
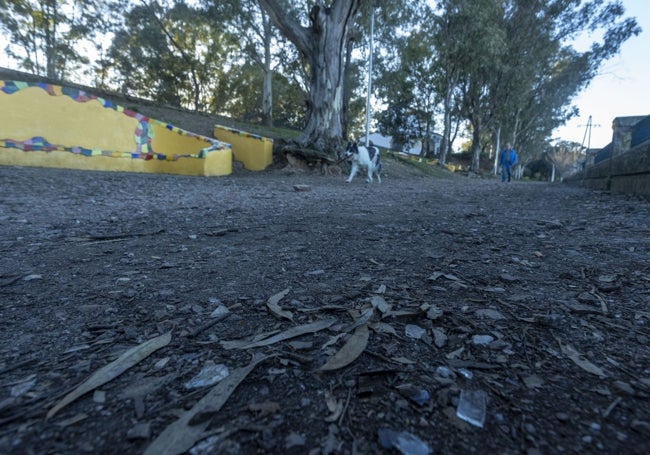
(507, 159)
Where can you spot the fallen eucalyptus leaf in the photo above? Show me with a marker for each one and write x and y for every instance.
(277, 311)
(72, 420)
(350, 350)
(382, 327)
(239, 344)
(179, 436)
(333, 340)
(334, 406)
(286, 335)
(361, 320)
(435, 275)
(579, 360)
(113, 370)
(403, 360)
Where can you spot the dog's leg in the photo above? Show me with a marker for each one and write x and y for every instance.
(353, 172)
(369, 179)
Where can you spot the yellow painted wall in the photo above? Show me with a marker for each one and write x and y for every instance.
(50, 126)
(62, 120)
(256, 152)
(217, 163)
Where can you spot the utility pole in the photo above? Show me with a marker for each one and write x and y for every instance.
(587, 135)
(372, 32)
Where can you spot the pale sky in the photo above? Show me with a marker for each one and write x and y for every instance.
(621, 89)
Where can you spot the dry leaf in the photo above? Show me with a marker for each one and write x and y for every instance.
(361, 320)
(435, 275)
(277, 311)
(378, 302)
(403, 360)
(334, 406)
(350, 350)
(579, 360)
(333, 340)
(286, 335)
(113, 370)
(382, 327)
(182, 434)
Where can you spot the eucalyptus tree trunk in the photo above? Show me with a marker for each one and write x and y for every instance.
(446, 131)
(475, 151)
(322, 44)
(267, 93)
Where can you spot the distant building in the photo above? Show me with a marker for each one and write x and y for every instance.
(627, 133)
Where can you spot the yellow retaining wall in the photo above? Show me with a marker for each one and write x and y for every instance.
(256, 152)
(53, 126)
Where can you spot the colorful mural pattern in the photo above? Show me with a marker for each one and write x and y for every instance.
(143, 133)
(243, 133)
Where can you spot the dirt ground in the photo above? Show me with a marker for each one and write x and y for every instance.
(337, 318)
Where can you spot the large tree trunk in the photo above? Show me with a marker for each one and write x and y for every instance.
(446, 131)
(267, 92)
(323, 46)
(475, 166)
(347, 87)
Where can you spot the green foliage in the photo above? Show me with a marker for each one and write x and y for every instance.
(45, 36)
(495, 65)
(176, 56)
(410, 92)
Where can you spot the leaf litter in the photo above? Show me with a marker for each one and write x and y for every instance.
(109, 372)
(529, 302)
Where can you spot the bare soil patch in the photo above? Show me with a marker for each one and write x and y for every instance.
(531, 298)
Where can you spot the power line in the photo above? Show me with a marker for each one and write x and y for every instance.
(588, 128)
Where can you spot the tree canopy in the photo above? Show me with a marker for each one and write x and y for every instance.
(504, 69)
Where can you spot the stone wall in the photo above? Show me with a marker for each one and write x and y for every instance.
(627, 169)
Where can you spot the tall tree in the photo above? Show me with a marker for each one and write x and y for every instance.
(260, 43)
(543, 72)
(172, 54)
(517, 69)
(322, 43)
(448, 30)
(410, 93)
(45, 35)
(481, 51)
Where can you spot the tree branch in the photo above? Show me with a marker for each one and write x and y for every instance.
(288, 26)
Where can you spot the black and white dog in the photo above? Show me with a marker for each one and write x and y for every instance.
(366, 157)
